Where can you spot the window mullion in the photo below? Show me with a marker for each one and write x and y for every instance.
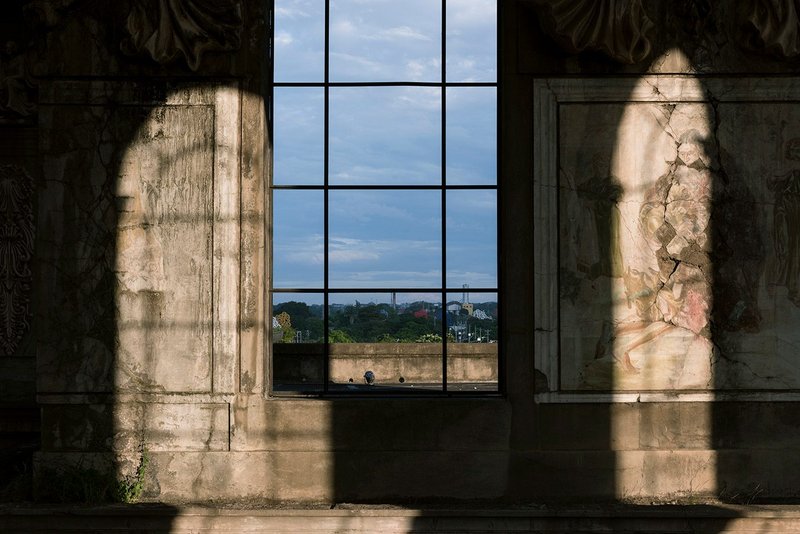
(326, 238)
(444, 193)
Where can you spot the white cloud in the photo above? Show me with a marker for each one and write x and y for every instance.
(343, 27)
(348, 249)
(460, 203)
(283, 39)
(399, 33)
(365, 207)
(292, 9)
(473, 278)
(421, 98)
(399, 279)
(358, 63)
(349, 256)
(305, 251)
(471, 13)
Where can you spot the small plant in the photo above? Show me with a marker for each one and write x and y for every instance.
(130, 488)
(89, 485)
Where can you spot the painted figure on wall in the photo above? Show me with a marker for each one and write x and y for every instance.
(674, 220)
(786, 227)
(599, 252)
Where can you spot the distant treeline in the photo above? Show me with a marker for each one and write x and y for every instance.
(417, 322)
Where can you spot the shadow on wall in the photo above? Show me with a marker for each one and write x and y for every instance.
(125, 209)
(97, 450)
(704, 303)
(19, 416)
(128, 219)
(138, 211)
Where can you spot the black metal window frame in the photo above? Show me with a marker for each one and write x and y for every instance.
(443, 187)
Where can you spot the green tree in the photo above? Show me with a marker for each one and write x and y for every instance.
(285, 320)
(339, 336)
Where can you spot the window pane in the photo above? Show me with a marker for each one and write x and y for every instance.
(385, 239)
(297, 341)
(299, 118)
(383, 342)
(385, 135)
(385, 41)
(299, 41)
(298, 239)
(471, 136)
(472, 238)
(471, 40)
(472, 341)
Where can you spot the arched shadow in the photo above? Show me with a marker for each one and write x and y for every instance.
(501, 450)
(126, 214)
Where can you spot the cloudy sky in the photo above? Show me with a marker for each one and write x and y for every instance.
(385, 136)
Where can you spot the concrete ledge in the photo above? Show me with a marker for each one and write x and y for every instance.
(297, 363)
(718, 519)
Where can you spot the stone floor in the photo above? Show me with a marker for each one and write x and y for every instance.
(344, 519)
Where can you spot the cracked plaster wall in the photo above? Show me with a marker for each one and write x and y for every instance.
(668, 224)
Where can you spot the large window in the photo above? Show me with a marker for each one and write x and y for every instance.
(384, 197)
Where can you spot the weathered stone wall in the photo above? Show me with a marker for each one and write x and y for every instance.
(149, 279)
(658, 314)
(147, 203)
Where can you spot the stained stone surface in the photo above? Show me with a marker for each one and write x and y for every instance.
(127, 230)
(75, 249)
(679, 256)
(163, 252)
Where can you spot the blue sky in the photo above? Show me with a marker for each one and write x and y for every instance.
(385, 40)
(385, 136)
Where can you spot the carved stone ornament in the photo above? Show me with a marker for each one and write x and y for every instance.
(617, 28)
(773, 26)
(167, 29)
(16, 252)
(17, 88)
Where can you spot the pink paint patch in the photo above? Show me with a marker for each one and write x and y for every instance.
(695, 311)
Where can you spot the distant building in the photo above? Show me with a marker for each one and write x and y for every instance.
(277, 331)
(480, 314)
(467, 306)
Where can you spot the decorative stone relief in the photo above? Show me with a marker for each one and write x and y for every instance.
(17, 89)
(617, 28)
(21, 54)
(45, 13)
(167, 29)
(773, 26)
(16, 251)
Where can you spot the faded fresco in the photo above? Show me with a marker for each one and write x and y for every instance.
(679, 246)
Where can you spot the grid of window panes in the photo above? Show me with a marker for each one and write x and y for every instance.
(384, 197)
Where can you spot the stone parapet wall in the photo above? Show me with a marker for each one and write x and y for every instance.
(413, 362)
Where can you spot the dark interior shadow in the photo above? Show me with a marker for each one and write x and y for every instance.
(19, 415)
(72, 152)
(78, 320)
(756, 249)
